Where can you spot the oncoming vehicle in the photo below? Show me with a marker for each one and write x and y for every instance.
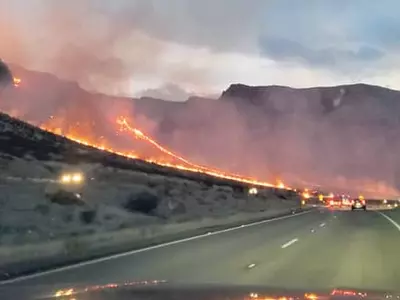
(335, 202)
(358, 203)
(346, 200)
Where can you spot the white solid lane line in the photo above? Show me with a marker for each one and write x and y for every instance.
(394, 223)
(110, 257)
(289, 243)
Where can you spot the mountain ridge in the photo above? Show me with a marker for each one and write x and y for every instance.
(346, 135)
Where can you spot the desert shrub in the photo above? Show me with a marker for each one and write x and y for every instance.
(143, 202)
(281, 196)
(65, 198)
(87, 216)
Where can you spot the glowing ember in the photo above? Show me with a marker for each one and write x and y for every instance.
(280, 184)
(16, 81)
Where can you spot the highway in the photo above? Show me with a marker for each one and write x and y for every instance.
(317, 250)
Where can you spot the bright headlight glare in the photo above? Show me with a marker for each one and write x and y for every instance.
(66, 178)
(77, 177)
(253, 191)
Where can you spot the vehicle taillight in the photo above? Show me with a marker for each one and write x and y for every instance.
(331, 202)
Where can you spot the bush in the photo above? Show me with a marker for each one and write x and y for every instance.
(281, 196)
(65, 198)
(143, 202)
(88, 216)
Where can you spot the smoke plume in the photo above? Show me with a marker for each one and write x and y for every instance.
(342, 138)
(84, 42)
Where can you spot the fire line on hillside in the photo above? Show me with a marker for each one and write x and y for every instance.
(173, 160)
(177, 161)
(181, 163)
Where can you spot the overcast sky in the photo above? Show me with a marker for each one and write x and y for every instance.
(128, 46)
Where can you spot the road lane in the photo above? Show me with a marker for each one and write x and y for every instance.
(358, 250)
(200, 260)
(321, 249)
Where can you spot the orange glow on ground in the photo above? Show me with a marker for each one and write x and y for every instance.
(162, 156)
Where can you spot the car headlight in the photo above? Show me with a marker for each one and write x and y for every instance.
(74, 178)
(253, 191)
(77, 178)
(66, 178)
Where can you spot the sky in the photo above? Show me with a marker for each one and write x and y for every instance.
(172, 49)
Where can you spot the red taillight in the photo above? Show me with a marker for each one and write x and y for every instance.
(331, 202)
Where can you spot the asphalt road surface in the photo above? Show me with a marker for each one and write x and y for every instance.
(319, 249)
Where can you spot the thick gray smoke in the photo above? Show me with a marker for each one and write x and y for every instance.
(91, 42)
(344, 138)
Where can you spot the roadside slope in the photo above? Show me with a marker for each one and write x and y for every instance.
(123, 203)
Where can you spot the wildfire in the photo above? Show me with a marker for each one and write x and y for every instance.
(74, 125)
(176, 161)
(191, 166)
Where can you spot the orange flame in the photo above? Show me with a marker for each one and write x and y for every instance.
(75, 126)
(16, 81)
(174, 161)
(191, 166)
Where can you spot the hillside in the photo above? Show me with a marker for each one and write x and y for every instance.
(25, 142)
(118, 196)
(32, 210)
(344, 137)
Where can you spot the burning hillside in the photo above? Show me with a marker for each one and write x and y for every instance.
(81, 121)
(335, 137)
(160, 156)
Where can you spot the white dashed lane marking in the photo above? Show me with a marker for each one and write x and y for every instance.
(150, 248)
(289, 243)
